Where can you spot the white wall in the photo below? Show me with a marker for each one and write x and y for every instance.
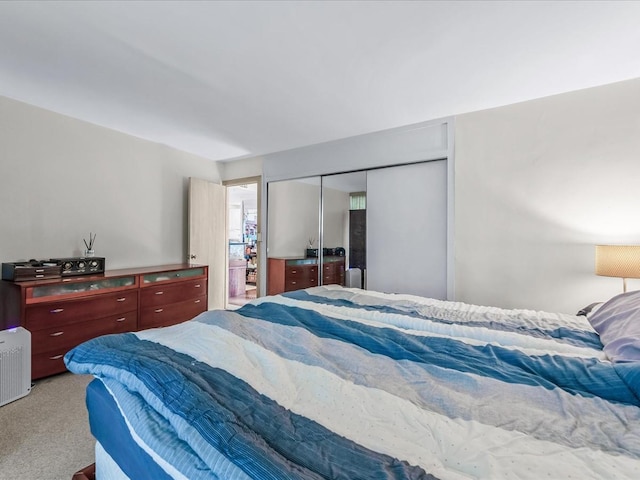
(61, 178)
(538, 184)
(245, 168)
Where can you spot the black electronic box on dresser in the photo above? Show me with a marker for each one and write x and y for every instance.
(65, 311)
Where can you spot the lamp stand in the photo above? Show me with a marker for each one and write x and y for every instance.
(624, 285)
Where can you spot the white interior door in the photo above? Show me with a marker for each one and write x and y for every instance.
(208, 235)
(407, 229)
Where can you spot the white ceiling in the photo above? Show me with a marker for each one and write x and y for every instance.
(228, 80)
(246, 195)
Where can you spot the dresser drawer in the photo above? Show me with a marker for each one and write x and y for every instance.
(63, 338)
(291, 285)
(170, 293)
(45, 364)
(48, 347)
(300, 276)
(334, 277)
(333, 272)
(300, 271)
(65, 312)
(161, 316)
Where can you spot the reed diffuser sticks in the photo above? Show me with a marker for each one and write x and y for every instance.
(92, 239)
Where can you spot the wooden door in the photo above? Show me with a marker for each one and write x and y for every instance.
(208, 235)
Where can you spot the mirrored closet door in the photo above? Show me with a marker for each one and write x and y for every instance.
(383, 228)
(343, 229)
(293, 234)
(310, 232)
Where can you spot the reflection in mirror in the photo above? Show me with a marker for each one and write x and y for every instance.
(293, 234)
(344, 229)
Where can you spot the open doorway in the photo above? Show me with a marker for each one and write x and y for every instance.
(243, 233)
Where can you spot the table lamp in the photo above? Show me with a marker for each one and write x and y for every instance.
(621, 261)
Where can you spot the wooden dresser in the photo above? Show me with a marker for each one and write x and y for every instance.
(288, 274)
(172, 296)
(64, 312)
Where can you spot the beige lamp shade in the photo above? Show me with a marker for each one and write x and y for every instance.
(621, 261)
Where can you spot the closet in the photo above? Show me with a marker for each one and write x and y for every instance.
(401, 246)
(402, 241)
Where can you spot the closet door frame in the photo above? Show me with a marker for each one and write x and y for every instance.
(425, 141)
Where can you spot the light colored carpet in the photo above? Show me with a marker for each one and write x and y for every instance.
(45, 435)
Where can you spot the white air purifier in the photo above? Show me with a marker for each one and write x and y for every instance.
(15, 364)
(353, 278)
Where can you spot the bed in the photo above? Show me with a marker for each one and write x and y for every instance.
(338, 383)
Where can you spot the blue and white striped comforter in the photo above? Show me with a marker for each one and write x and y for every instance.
(342, 383)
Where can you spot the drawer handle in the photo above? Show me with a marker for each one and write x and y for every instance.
(158, 310)
(39, 270)
(159, 293)
(294, 271)
(39, 276)
(122, 319)
(122, 299)
(197, 301)
(57, 310)
(198, 286)
(57, 334)
(56, 357)
(293, 283)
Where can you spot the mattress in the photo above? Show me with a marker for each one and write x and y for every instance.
(333, 382)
